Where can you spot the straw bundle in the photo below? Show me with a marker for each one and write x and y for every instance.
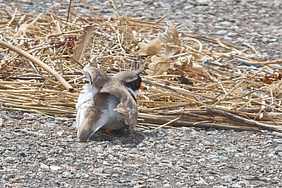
(191, 80)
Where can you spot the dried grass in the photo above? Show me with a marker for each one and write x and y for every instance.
(191, 80)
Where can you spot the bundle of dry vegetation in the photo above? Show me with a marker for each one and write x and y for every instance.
(191, 80)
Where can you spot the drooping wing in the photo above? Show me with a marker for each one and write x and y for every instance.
(128, 114)
(97, 78)
(89, 116)
(127, 107)
(85, 116)
(90, 103)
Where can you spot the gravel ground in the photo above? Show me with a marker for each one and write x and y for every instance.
(40, 151)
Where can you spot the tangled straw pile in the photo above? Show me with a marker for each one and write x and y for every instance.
(191, 80)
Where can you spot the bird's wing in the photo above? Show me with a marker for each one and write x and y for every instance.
(128, 114)
(127, 108)
(89, 106)
(89, 116)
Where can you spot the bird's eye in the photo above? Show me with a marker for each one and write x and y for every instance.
(135, 84)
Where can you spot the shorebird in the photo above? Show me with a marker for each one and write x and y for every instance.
(107, 102)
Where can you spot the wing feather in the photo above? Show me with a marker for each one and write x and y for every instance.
(89, 116)
(90, 104)
(95, 76)
(127, 107)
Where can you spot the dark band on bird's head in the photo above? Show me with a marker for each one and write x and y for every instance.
(134, 85)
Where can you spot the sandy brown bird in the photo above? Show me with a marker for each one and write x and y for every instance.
(107, 102)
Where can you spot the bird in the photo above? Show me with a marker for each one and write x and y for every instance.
(107, 102)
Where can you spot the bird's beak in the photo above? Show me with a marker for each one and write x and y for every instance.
(142, 87)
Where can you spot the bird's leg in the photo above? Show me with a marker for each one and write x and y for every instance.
(108, 131)
(129, 131)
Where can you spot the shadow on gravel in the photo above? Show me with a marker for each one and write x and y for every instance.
(120, 137)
